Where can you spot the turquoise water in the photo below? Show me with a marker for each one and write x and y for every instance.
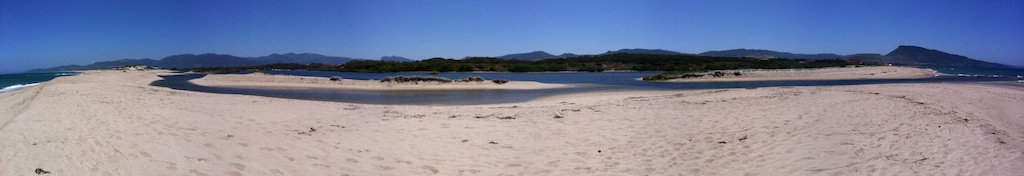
(978, 71)
(11, 82)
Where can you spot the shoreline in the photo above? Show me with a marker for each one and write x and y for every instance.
(834, 73)
(307, 82)
(115, 123)
(11, 87)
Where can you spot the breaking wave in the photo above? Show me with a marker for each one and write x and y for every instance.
(17, 86)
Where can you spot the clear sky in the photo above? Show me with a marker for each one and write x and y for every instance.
(45, 33)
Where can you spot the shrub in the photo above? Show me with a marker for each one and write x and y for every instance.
(656, 77)
(471, 79)
(500, 81)
(403, 79)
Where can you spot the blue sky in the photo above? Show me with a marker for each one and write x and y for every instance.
(45, 33)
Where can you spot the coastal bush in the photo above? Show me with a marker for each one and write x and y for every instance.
(499, 81)
(587, 63)
(471, 79)
(656, 77)
(404, 79)
(668, 76)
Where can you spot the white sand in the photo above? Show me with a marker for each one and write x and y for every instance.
(113, 123)
(304, 82)
(844, 73)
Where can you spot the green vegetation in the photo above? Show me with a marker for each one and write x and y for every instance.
(674, 75)
(676, 64)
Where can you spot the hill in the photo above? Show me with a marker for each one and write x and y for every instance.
(756, 53)
(540, 55)
(103, 64)
(395, 59)
(565, 55)
(531, 56)
(207, 60)
(304, 58)
(915, 55)
(645, 51)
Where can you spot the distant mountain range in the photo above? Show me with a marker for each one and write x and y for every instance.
(538, 55)
(755, 53)
(902, 55)
(208, 60)
(395, 59)
(304, 58)
(645, 51)
(175, 61)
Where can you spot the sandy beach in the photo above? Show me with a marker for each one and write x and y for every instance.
(114, 123)
(304, 82)
(846, 73)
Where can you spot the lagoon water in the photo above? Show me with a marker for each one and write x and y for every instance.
(583, 82)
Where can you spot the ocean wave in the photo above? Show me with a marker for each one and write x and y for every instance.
(937, 73)
(17, 86)
(942, 74)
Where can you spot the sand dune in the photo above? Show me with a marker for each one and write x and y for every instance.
(305, 82)
(845, 73)
(113, 123)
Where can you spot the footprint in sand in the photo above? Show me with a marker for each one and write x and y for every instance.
(474, 171)
(322, 166)
(170, 165)
(237, 166)
(195, 172)
(276, 172)
(430, 169)
(385, 168)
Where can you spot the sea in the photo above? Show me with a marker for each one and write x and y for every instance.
(10, 82)
(978, 72)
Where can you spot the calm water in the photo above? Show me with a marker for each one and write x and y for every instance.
(583, 82)
(978, 71)
(11, 82)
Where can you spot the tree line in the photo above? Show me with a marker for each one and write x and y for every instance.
(590, 63)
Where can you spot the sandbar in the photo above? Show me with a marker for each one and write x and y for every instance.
(840, 73)
(306, 82)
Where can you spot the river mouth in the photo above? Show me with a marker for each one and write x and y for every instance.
(583, 82)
